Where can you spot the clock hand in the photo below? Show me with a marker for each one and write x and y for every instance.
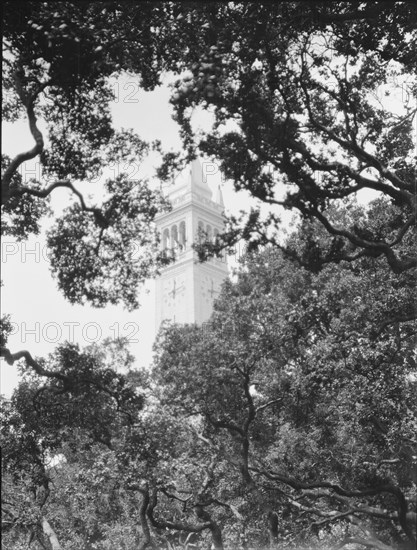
(212, 290)
(173, 291)
(176, 289)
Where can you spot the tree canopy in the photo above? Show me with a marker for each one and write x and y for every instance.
(57, 65)
(303, 387)
(288, 419)
(301, 96)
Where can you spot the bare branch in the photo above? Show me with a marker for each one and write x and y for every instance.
(371, 491)
(100, 218)
(265, 405)
(35, 365)
(374, 247)
(397, 319)
(34, 130)
(359, 152)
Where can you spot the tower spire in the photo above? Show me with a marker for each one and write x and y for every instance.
(219, 196)
(198, 179)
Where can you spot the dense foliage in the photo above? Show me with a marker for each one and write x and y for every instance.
(57, 67)
(305, 384)
(305, 111)
(289, 418)
(309, 103)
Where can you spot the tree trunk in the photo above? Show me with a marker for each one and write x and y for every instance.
(215, 530)
(50, 533)
(273, 529)
(217, 536)
(244, 462)
(143, 520)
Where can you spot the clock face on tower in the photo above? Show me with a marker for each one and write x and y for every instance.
(208, 288)
(173, 291)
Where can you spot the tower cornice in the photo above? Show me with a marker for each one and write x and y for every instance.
(193, 200)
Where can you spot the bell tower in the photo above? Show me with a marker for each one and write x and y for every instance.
(186, 289)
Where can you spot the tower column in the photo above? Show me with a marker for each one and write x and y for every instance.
(186, 289)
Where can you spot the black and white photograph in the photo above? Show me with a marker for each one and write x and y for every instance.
(208, 275)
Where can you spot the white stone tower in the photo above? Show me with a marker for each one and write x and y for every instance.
(186, 289)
